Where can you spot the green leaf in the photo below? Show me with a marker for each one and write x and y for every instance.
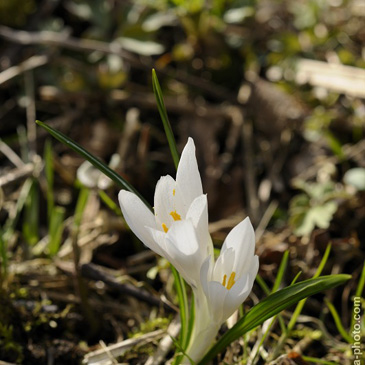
(338, 323)
(109, 202)
(281, 271)
(56, 229)
(93, 160)
(165, 120)
(271, 306)
(31, 215)
(184, 311)
(3, 258)
(48, 169)
(80, 206)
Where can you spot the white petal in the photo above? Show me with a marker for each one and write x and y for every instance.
(236, 295)
(224, 264)
(182, 236)
(198, 213)
(188, 177)
(254, 267)
(138, 216)
(216, 299)
(183, 248)
(164, 200)
(206, 274)
(160, 238)
(242, 240)
(241, 289)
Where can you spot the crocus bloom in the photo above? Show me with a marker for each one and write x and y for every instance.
(180, 215)
(225, 285)
(91, 177)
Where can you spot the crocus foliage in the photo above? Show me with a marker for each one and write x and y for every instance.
(178, 231)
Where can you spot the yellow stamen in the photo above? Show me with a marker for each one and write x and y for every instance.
(164, 227)
(231, 281)
(175, 216)
(224, 280)
(173, 192)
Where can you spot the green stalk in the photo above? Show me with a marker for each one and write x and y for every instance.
(338, 323)
(165, 120)
(93, 160)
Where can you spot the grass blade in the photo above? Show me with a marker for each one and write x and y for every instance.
(48, 169)
(55, 230)
(109, 202)
(338, 323)
(3, 259)
(184, 308)
(93, 160)
(358, 294)
(272, 305)
(262, 284)
(360, 287)
(31, 215)
(281, 271)
(165, 120)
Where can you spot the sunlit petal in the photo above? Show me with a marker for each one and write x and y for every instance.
(188, 176)
(135, 212)
(242, 240)
(198, 213)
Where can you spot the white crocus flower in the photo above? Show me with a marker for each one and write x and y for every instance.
(178, 230)
(225, 285)
(91, 177)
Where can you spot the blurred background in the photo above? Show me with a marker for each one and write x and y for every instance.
(273, 94)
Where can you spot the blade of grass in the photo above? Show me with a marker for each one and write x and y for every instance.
(296, 278)
(277, 283)
(93, 160)
(31, 215)
(55, 230)
(338, 323)
(360, 287)
(318, 361)
(48, 169)
(165, 120)
(184, 311)
(4, 260)
(262, 284)
(272, 305)
(80, 207)
(359, 290)
(281, 271)
(183, 353)
(109, 202)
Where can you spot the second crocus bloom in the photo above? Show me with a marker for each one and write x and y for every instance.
(226, 284)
